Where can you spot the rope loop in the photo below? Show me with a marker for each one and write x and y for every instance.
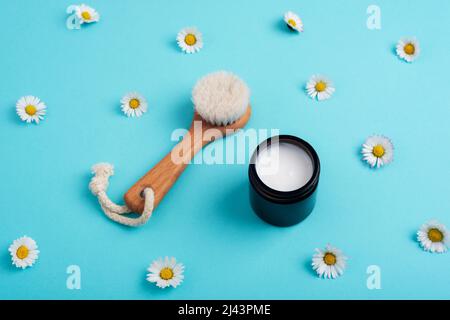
(99, 185)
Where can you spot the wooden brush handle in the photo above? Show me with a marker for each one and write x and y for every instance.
(163, 175)
(166, 172)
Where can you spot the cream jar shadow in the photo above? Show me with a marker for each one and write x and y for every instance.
(284, 175)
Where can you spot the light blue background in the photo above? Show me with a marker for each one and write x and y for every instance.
(206, 221)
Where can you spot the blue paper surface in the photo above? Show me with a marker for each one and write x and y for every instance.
(206, 221)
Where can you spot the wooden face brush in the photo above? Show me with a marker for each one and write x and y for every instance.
(221, 104)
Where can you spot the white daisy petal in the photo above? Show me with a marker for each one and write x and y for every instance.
(190, 40)
(133, 104)
(293, 21)
(329, 263)
(86, 14)
(408, 49)
(166, 272)
(320, 87)
(433, 237)
(30, 109)
(377, 151)
(23, 252)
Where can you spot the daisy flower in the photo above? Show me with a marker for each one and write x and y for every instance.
(378, 151)
(190, 40)
(293, 21)
(408, 49)
(320, 87)
(86, 14)
(166, 272)
(329, 263)
(23, 252)
(134, 104)
(433, 236)
(30, 108)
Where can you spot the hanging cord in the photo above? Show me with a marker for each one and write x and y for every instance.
(98, 186)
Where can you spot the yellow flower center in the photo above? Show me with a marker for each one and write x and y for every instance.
(409, 48)
(30, 110)
(378, 151)
(292, 22)
(435, 235)
(86, 15)
(329, 259)
(134, 103)
(22, 252)
(320, 86)
(190, 39)
(166, 274)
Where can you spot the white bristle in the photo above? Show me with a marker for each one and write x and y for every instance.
(221, 98)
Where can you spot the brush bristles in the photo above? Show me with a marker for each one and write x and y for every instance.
(221, 98)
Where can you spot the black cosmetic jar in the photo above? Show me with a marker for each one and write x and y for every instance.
(279, 207)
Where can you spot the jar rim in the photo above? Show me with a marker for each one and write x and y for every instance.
(278, 196)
